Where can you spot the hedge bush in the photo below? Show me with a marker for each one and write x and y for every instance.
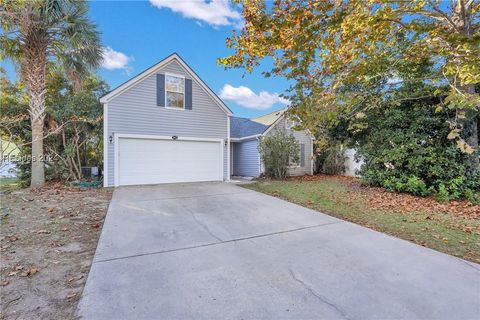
(406, 149)
(277, 151)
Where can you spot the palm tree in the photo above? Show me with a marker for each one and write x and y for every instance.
(38, 33)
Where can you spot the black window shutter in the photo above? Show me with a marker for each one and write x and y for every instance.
(160, 90)
(188, 94)
(302, 155)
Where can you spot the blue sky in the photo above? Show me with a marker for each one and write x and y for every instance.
(139, 34)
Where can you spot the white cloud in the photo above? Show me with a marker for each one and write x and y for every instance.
(245, 97)
(113, 60)
(216, 12)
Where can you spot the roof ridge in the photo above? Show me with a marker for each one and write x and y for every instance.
(279, 110)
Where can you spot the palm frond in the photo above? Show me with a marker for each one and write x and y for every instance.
(79, 37)
(9, 48)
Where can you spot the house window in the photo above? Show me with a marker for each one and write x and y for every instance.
(174, 92)
(301, 156)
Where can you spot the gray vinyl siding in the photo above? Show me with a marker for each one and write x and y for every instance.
(301, 137)
(135, 111)
(246, 159)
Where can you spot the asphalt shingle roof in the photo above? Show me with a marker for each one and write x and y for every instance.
(243, 127)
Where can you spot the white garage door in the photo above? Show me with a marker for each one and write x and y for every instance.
(151, 161)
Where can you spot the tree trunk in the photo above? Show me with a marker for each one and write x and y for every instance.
(34, 73)
(470, 125)
(38, 167)
(462, 18)
(472, 139)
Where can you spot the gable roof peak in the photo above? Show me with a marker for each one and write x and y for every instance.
(153, 69)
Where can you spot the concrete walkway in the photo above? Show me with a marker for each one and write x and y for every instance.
(218, 251)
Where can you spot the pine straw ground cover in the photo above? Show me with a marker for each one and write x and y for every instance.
(47, 241)
(453, 228)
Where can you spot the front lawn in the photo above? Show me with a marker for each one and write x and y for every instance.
(451, 228)
(8, 182)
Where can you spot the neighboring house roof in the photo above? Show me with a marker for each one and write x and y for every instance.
(153, 69)
(270, 118)
(243, 127)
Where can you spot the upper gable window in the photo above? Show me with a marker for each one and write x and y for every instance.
(174, 91)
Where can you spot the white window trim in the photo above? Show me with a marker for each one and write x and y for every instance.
(167, 74)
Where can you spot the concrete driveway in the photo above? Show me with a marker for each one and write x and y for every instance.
(218, 251)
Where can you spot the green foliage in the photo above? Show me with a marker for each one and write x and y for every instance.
(406, 149)
(76, 118)
(278, 150)
(343, 56)
(332, 159)
(37, 34)
(61, 27)
(73, 125)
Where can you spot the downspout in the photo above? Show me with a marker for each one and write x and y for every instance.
(259, 157)
(228, 148)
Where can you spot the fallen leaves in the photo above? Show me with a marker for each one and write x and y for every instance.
(31, 272)
(381, 199)
(70, 296)
(44, 220)
(95, 225)
(26, 273)
(9, 238)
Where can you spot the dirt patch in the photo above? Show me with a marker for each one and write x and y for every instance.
(48, 239)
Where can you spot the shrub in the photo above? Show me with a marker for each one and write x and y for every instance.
(332, 159)
(406, 149)
(277, 151)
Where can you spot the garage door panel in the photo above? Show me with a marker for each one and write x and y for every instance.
(151, 161)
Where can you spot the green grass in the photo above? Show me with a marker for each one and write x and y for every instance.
(437, 230)
(8, 182)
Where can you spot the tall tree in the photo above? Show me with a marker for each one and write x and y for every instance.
(344, 55)
(39, 32)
